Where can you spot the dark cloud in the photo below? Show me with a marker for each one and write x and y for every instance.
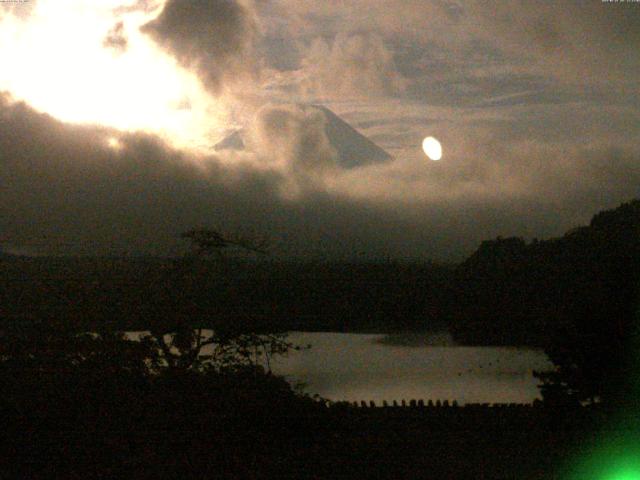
(572, 41)
(215, 38)
(565, 125)
(396, 139)
(453, 10)
(445, 50)
(280, 53)
(535, 103)
(307, 141)
(66, 191)
(65, 183)
(401, 120)
(297, 137)
(116, 38)
(366, 68)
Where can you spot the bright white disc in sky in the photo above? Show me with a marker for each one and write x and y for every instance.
(432, 148)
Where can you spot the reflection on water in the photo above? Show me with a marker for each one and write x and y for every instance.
(439, 339)
(343, 366)
(414, 366)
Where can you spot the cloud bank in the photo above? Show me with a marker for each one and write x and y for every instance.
(535, 105)
(216, 38)
(69, 190)
(366, 68)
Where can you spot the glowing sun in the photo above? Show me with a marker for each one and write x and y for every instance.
(57, 62)
(432, 148)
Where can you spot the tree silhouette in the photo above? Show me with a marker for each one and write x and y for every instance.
(576, 296)
(189, 331)
(206, 242)
(193, 325)
(596, 336)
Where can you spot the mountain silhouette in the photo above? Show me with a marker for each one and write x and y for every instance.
(354, 149)
(512, 292)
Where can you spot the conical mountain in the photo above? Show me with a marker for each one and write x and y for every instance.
(353, 148)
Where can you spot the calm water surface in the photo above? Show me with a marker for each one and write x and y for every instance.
(376, 367)
(342, 366)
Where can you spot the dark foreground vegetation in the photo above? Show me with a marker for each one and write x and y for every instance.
(254, 429)
(309, 296)
(78, 399)
(577, 296)
(508, 292)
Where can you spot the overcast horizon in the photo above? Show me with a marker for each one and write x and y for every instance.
(109, 114)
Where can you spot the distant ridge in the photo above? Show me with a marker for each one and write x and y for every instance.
(354, 149)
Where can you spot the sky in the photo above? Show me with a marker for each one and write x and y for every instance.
(110, 112)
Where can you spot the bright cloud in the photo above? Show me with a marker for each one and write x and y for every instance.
(57, 61)
(535, 106)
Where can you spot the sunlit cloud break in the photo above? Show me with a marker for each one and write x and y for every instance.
(61, 63)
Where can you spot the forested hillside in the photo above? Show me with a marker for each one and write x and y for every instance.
(510, 292)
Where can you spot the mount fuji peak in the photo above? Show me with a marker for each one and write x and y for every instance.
(354, 149)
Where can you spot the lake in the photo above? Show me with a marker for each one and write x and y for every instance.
(355, 367)
(358, 367)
